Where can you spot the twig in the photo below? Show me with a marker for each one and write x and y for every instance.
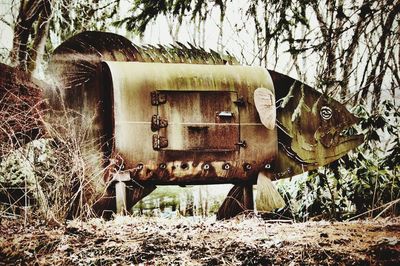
(384, 210)
(374, 209)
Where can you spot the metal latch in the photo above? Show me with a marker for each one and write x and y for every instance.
(159, 142)
(157, 122)
(240, 102)
(158, 98)
(241, 144)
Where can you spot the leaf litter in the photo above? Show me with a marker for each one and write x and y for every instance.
(127, 240)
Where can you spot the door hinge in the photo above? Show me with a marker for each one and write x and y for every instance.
(157, 122)
(159, 142)
(158, 98)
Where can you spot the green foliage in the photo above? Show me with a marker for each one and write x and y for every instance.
(27, 164)
(29, 173)
(143, 12)
(50, 176)
(71, 17)
(362, 182)
(176, 201)
(376, 167)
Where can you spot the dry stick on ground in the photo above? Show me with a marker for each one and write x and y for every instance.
(374, 209)
(384, 210)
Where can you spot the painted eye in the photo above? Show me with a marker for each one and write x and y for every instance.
(326, 112)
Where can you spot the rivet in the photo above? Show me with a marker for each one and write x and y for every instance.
(226, 166)
(247, 167)
(184, 166)
(206, 166)
(267, 166)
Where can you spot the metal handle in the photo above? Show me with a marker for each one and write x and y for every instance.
(225, 114)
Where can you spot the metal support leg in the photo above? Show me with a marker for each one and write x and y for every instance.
(239, 200)
(120, 191)
(120, 197)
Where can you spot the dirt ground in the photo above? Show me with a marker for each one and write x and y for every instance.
(189, 241)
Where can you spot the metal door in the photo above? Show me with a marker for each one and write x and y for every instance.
(195, 120)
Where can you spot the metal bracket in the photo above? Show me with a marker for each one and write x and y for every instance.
(122, 176)
(159, 142)
(157, 98)
(157, 122)
(119, 180)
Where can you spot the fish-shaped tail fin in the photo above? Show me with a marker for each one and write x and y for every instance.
(268, 198)
(239, 200)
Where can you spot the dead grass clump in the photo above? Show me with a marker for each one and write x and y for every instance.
(21, 108)
(49, 170)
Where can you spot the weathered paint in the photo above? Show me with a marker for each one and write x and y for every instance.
(307, 137)
(204, 123)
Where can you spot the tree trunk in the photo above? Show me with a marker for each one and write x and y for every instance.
(29, 13)
(39, 43)
(380, 64)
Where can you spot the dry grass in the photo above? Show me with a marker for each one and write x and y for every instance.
(21, 108)
(48, 168)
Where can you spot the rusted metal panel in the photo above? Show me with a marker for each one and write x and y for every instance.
(200, 120)
(75, 64)
(207, 123)
(75, 67)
